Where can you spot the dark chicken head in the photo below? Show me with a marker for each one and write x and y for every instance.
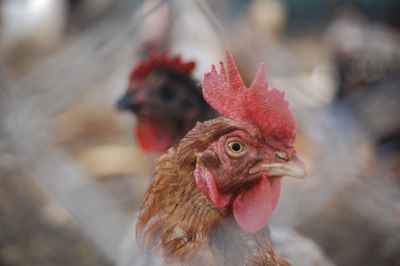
(166, 100)
(241, 170)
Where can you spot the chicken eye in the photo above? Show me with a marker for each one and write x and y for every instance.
(235, 147)
(281, 155)
(167, 92)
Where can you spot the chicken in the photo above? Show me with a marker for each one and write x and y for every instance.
(36, 25)
(368, 75)
(214, 193)
(166, 100)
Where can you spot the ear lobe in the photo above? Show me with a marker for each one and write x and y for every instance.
(208, 159)
(205, 180)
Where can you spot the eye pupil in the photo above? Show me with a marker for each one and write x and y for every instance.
(236, 146)
(167, 92)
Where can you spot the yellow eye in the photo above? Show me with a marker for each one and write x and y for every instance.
(235, 147)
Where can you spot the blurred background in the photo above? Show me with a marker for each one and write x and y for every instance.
(72, 175)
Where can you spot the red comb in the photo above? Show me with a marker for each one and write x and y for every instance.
(259, 105)
(161, 60)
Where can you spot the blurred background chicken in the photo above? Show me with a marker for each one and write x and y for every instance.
(166, 100)
(65, 150)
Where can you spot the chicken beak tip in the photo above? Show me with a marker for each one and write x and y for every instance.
(123, 103)
(293, 168)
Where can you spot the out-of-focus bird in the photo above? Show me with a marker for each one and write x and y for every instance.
(368, 66)
(213, 194)
(33, 24)
(370, 55)
(39, 25)
(165, 99)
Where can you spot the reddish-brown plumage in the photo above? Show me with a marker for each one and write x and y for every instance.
(213, 194)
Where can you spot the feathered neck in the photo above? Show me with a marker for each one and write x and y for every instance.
(183, 223)
(175, 213)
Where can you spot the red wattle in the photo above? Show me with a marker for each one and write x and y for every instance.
(153, 137)
(252, 209)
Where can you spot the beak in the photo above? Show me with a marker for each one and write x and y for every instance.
(124, 102)
(293, 168)
(128, 101)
